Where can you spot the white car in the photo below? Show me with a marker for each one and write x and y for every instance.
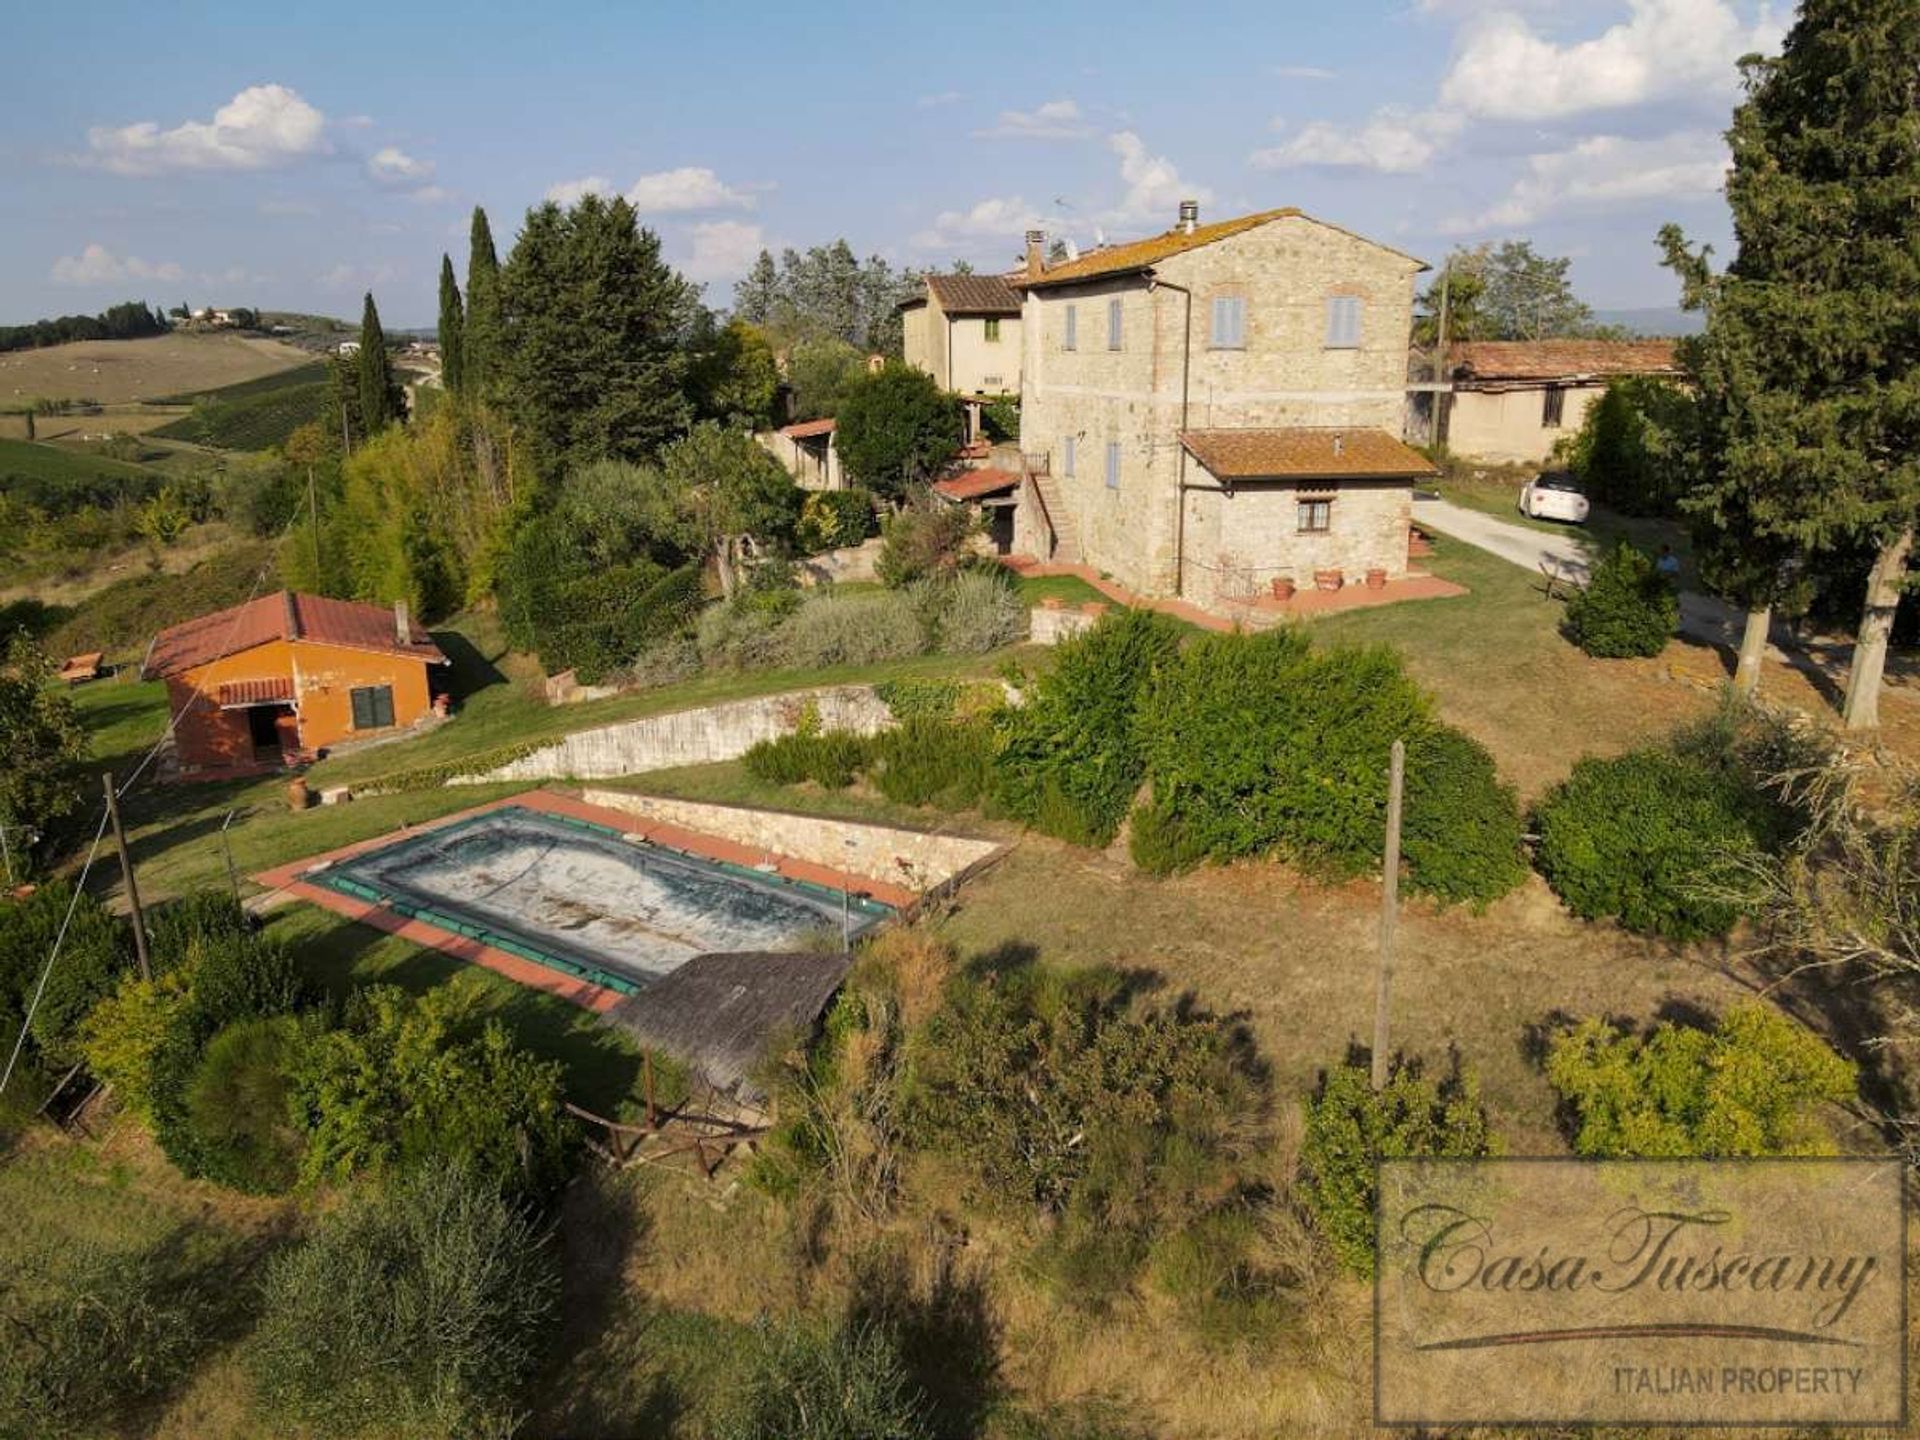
(1553, 497)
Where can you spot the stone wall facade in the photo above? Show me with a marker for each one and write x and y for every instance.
(1284, 374)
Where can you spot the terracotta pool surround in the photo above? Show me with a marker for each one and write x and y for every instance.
(286, 880)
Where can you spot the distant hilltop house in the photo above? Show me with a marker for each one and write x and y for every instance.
(964, 331)
(288, 675)
(1214, 412)
(347, 349)
(1513, 399)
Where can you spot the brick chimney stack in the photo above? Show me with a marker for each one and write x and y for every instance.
(1036, 251)
(402, 629)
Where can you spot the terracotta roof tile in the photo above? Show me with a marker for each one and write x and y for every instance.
(1305, 452)
(974, 294)
(973, 484)
(283, 615)
(806, 429)
(1495, 360)
(1138, 254)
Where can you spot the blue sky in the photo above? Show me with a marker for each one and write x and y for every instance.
(293, 158)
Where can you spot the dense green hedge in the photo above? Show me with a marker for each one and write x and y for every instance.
(830, 758)
(432, 777)
(1461, 834)
(1647, 839)
(948, 764)
(1071, 758)
(1627, 608)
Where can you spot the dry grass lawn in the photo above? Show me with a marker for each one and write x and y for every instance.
(114, 371)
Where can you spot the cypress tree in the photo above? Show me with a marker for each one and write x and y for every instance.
(482, 331)
(1811, 358)
(379, 405)
(453, 360)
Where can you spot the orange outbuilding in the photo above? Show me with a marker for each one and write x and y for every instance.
(281, 678)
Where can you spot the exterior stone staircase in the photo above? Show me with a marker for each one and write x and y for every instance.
(1066, 537)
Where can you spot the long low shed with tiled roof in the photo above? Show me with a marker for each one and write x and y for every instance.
(1514, 400)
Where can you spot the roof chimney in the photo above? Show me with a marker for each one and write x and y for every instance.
(402, 629)
(1036, 251)
(1189, 216)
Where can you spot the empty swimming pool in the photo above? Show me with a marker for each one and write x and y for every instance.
(584, 899)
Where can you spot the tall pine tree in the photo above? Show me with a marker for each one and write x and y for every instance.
(483, 334)
(453, 359)
(1811, 358)
(381, 400)
(754, 298)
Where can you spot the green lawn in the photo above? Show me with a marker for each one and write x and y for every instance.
(1070, 589)
(123, 717)
(27, 460)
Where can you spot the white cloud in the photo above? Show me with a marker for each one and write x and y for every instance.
(692, 187)
(1303, 72)
(391, 165)
(1054, 120)
(723, 250)
(1604, 172)
(998, 218)
(1506, 70)
(343, 276)
(262, 127)
(945, 97)
(689, 189)
(1154, 187)
(97, 265)
(1393, 141)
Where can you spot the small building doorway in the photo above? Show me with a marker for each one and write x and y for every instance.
(274, 731)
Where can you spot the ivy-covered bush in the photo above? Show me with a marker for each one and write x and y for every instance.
(1071, 757)
(1627, 608)
(1461, 833)
(834, 519)
(1349, 1125)
(1651, 840)
(1749, 1086)
(417, 1310)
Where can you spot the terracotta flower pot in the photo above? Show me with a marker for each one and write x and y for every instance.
(297, 797)
(1329, 579)
(1376, 579)
(1283, 587)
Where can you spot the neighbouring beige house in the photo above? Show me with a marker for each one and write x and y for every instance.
(1512, 400)
(808, 452)
(1217, 408)
(964, 331)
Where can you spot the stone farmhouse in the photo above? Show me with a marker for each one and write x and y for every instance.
(964, 331)
(1214, 412)
(1513, 400)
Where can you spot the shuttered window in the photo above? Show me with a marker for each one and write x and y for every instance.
(1113, 324)
(1113, 464)
(373, 707)
(1071, 340)
(1066, 457)
(1343, 322)
(1316, 516)
(1229, 323)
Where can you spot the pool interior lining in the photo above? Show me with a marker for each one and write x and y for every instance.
(657, 906)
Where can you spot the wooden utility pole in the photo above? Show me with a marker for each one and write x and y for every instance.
(1389, 912)
(126, 875)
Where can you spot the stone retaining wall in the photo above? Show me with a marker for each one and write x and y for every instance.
(908, 858)
(691, 737)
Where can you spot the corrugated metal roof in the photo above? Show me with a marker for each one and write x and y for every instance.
(284, 615)
(1495, 360)
(1305, 452)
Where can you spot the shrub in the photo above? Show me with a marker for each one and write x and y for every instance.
(83, 1338)
(1746, 1087)
(923, 542)
(1626, 609)
(1349, 1125)
(93, 957)
(1461, 832)
(666, 662)
(1648, 839)
(833, 519)
(829, 758)
(406, 1083)
(124, 1032)
(597, 622)
(1070, 759)
(944, 763)
(1258, 744)
(846, 1382)
(1636, 448)
(739, 637)
(237, 1105)
(418, 1310)
(973, 612)
(914, 699)
(831, 629)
